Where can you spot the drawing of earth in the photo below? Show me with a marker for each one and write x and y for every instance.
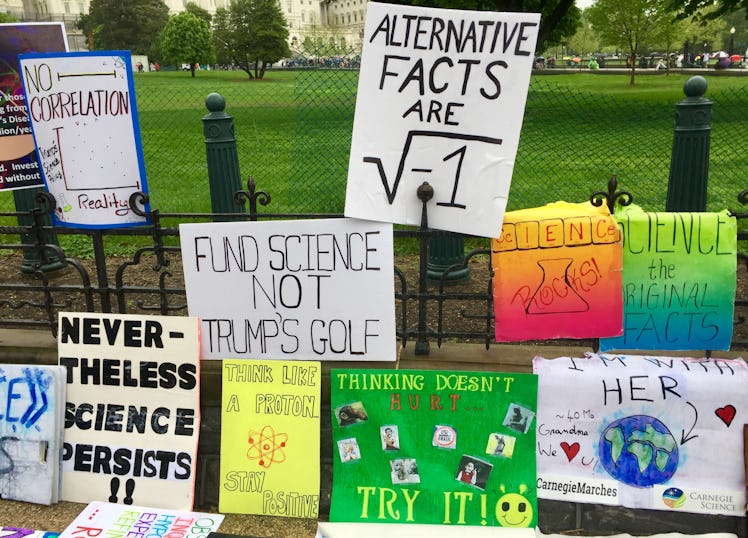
(639, 451)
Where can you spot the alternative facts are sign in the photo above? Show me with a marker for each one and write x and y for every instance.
(270, 448)
(433, 447)
(441, 98)
(84, 119)
(132, 417)
(557, 273)
(679, 276)
(313, 289)
(662, 433)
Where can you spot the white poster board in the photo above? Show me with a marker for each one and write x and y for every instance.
(441, 98)
(84, 119)
(661, 433)
(99, 519)
(132, 418)
(312, 289)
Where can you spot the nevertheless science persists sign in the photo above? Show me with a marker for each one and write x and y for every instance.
(441, 98)
(312, 289)
(662, 433)
(132, 417)
(84, 119)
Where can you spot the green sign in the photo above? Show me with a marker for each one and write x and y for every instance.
(434, 447)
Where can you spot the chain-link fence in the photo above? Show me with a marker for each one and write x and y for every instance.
(294, 132)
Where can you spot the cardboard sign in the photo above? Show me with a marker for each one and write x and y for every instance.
(313, 289)
(85, 123)
(325, 529)
(32, 406)
(106, 519)
(679, 275)
(433, 447)
(132, 418)
(270, 425)
(441, 98)
(644, 432)
(557, 273)
(19, 165)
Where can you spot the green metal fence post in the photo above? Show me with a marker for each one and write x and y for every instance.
(36, 256)
(444, 252)
(689, 163)
(224, 178)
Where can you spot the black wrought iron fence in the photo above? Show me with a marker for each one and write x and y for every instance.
(150, 280)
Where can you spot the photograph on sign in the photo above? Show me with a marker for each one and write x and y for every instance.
(662, 433)
(317, 289)
(679, 280)
(132, 417)
(270, 447)
(441, 99)
(85, 124)
(19, 164)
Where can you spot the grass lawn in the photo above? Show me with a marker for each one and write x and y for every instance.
(293, 134)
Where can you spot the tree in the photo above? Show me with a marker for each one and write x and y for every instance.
(706, 10)
(629, 24)
(5, 17)
(187, 39)
(199, 12)
(133, 25)
(559, 19)
(251, 34)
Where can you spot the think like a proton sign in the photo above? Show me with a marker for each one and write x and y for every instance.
(434, 447)
(441, 98)
(85, 124)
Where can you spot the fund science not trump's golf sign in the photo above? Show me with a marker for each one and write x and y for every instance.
(441, 98)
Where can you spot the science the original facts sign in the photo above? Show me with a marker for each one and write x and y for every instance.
(296, 289)
(441, 98)
(132, 416)
(84, 119)
(679, 277)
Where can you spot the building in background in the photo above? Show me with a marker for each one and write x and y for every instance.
(334, 21)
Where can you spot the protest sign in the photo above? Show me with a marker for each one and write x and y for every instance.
(433, 447)
(557, 273)
(270, 425)
(85, 124)
(106, 519)
(326, 529)
(441, 97)
(19, 165)
(315, 289)
(679, 275)
(641, 431)
(32, 405)
(16, 532)
(132, 417)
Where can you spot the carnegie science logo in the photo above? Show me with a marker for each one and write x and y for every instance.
(673, 497)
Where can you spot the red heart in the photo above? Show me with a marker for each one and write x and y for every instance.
(570, 450)
(726, 413)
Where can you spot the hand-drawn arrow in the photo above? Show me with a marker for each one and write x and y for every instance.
(684, 437)
(391, 193)
(113, 73)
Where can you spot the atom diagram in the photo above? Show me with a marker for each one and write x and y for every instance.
(267, 446)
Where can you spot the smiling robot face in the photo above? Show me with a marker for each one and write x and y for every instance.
(513, 509)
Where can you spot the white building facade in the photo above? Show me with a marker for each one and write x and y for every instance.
(341, 21)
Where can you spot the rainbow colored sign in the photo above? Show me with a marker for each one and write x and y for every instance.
(557, 273)
(678, 280)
